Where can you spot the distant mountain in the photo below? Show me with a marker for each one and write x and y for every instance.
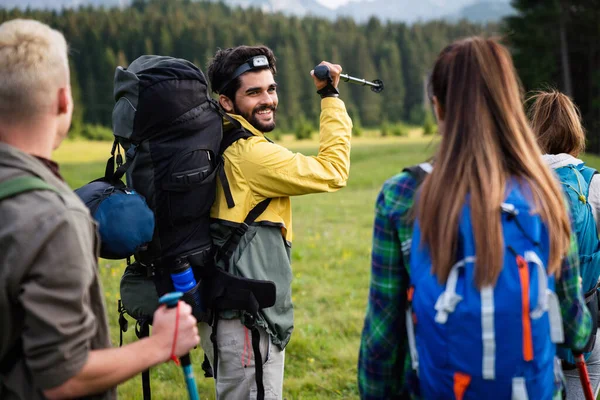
(288, 7)
(408, 11)
(422, 10)
(485, 11)
(401, 10)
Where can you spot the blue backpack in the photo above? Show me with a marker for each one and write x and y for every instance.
(497, 343)
(575, 180)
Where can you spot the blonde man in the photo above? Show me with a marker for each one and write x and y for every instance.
(54, 339)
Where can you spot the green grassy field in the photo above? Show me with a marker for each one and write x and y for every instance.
(331, 264)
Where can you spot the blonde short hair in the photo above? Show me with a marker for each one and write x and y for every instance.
(556, 122)
(33, 65)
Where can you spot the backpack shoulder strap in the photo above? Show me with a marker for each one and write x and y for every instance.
(10, 188)
(419, 171)
(21, 184)
(226, 251)
(232, 135)
(576, 186)
(588, 174)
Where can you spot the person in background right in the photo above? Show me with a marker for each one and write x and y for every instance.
(556, 122)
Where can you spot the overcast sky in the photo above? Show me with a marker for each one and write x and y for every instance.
(335, 3)
(332, 3)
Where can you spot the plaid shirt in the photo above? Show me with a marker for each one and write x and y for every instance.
(383, 358)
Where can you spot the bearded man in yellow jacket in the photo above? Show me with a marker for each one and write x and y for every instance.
(258, 169)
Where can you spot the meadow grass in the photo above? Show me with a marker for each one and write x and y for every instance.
(331, 264)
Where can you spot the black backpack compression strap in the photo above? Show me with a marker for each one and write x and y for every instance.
(142, 330)
(226, 251)
(419, 172)
(110, 173)
(129, 156)
(258, 365)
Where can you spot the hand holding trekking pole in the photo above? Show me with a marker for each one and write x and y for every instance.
(326, 77)
(186, 341)
(322, 71)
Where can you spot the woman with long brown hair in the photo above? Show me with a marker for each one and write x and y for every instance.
(556, 122)
(491, 234)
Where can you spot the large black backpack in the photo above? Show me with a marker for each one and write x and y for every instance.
(172, 133)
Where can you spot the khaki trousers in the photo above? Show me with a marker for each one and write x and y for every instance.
(236, 379)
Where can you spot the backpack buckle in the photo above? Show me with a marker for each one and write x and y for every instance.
(241, 229)
(249, 320)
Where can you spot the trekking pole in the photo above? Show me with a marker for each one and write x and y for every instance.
(322, 73)
(171, 300)
(584, 377)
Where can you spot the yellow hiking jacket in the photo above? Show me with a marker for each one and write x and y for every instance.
(258, 169)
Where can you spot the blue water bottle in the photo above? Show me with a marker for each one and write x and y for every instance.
(183, 279)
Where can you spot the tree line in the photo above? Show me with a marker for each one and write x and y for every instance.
(552, 42)
(556, 43)
(398, 54)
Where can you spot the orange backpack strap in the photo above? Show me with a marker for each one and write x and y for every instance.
(461, 383)
(527, 337)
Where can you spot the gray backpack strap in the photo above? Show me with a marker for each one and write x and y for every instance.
(21, 184)
(419, 172)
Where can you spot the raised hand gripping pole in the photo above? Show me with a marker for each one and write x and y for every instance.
(322, 73)
(171, 300)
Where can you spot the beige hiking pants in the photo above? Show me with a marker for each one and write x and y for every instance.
(236, 373)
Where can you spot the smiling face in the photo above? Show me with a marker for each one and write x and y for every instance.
(256, 99)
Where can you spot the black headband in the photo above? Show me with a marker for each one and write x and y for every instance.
(256, 62)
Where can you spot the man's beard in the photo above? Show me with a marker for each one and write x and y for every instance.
(255, 122)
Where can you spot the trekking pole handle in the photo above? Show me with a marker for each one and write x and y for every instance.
(322, 73)
(171, 300)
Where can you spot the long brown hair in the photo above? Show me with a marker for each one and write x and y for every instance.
(486, 139)
(556, 122)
